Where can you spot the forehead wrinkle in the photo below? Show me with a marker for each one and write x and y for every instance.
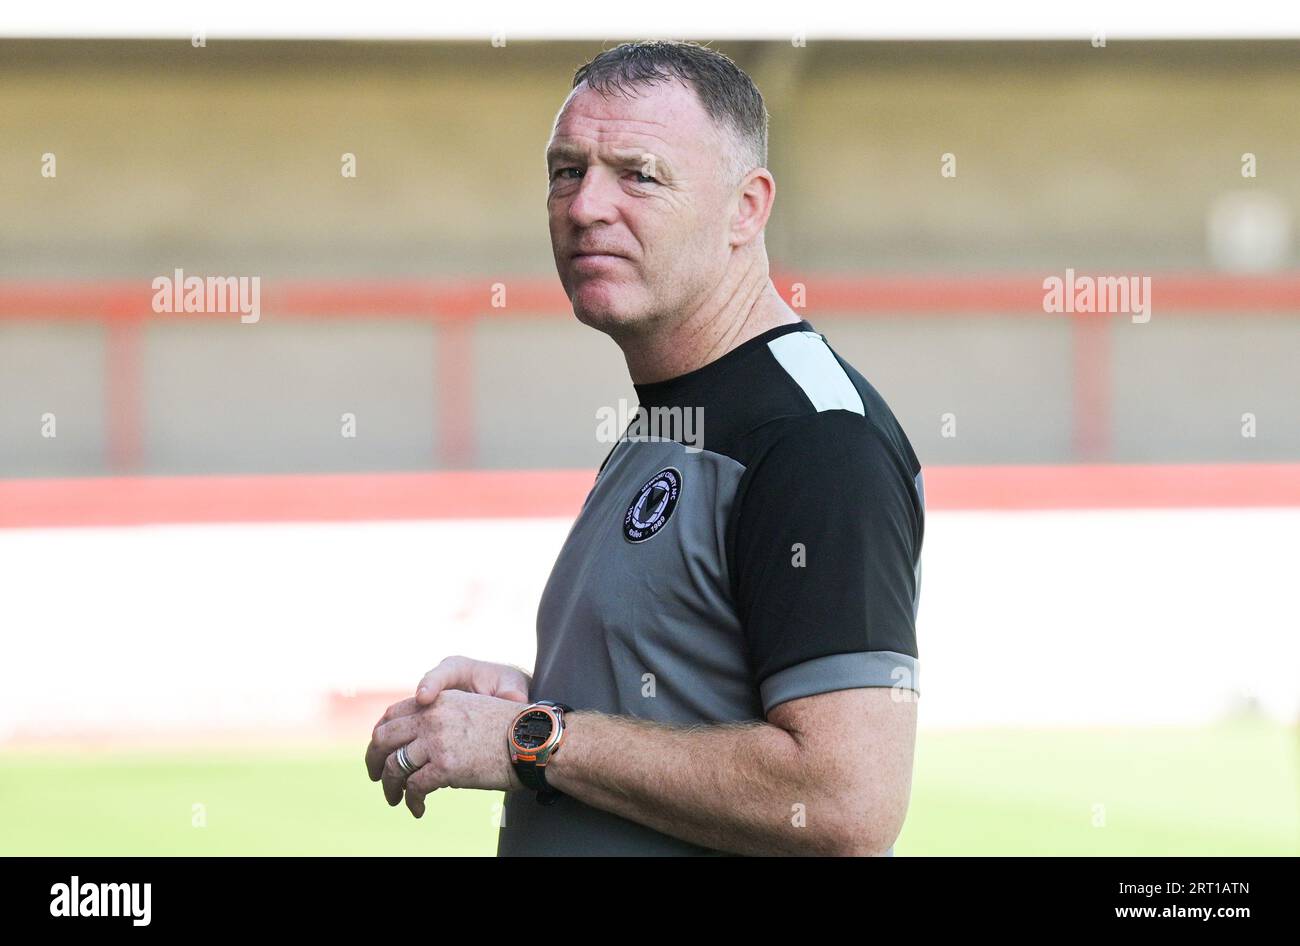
(622, 156)
(610, 127)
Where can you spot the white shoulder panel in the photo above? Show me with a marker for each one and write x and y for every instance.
(806, 357)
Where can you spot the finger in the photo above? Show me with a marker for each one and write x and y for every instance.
(403, 707)
(407, 707)
(453, 673)
(385, 739)
(394, 778)
(423, 783)
(510, 684)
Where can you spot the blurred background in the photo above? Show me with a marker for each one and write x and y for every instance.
(228, 546)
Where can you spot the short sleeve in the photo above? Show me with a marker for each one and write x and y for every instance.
(826, 559)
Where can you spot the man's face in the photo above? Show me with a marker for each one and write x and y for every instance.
(638, 181)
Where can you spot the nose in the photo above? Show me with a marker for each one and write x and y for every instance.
(595, 200)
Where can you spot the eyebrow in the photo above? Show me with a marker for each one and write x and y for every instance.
(625, 157)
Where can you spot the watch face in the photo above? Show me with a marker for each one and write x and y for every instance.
(533, 729)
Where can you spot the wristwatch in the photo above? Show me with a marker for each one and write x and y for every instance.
(535, 736)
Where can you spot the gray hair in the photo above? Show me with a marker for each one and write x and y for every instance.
(728, 95)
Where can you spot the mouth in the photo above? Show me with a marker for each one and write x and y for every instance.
(594, 262)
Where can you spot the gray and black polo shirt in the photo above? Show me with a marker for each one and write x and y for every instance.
(772, 554)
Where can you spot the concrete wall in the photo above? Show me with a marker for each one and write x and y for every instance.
(226, 160)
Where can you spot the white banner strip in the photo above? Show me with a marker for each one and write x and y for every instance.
(759, 19)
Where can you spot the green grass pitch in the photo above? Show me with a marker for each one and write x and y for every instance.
(1225, 789)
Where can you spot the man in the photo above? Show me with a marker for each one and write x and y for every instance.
(726, 645)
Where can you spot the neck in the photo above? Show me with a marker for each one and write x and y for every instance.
(707, 333)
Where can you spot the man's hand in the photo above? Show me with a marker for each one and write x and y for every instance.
(474, 676)
(458, 741)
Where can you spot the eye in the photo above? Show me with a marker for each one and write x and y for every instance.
(560, 171)
(648, 179)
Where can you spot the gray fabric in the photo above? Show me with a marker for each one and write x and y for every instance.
(877, 668)
(916, 598)
(614, 611)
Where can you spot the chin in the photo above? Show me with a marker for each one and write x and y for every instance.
(611, 323)
(596, 309)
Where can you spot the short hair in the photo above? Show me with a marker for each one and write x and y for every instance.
(726, 92)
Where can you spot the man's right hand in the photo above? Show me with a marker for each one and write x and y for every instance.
(474, 676)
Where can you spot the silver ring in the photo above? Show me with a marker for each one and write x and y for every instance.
(404, 762)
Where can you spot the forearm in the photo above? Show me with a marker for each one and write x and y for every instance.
(746, 788)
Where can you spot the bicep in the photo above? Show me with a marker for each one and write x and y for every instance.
(858, 746)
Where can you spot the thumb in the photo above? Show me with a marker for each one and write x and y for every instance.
(451, 674)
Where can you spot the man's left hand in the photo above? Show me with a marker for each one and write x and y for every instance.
(458, 741)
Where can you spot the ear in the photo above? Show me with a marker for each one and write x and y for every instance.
(754, 197)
